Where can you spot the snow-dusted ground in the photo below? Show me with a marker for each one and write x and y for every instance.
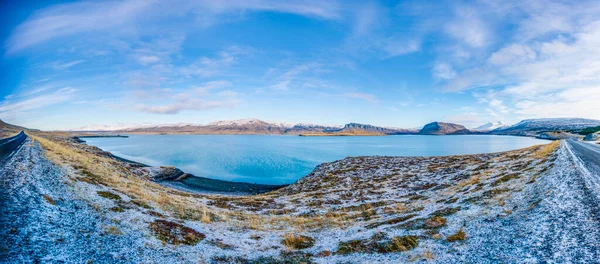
(533, 205)
(46, 217)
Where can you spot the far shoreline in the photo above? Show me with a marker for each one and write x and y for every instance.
(227, 187)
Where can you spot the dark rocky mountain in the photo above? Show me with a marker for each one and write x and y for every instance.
(377, 129)
(441, 128)
(309, 128)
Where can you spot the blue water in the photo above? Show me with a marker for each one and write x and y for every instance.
(284, 159)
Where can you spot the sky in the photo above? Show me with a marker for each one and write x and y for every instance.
(67, 64)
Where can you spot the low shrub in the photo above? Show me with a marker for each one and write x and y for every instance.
(109, 195)
(293, 241)
(458, 236)
(174, 233)
(435, 222)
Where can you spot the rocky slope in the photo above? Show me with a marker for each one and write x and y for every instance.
(441, 128)
(355, 129)
(7, 130)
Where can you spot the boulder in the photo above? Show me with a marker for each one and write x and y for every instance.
(592, 137)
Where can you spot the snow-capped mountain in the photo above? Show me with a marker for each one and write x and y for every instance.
(248, 121)
(125, 127)
(106, 127)
(548, 124)
(490, 126)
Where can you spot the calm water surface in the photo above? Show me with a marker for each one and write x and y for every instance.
(284, 159)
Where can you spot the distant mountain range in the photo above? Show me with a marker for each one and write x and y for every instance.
(490, 126)
(535, 126)
(256, 126)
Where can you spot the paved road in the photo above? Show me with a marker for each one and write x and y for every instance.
(9, 145)
(588, 155)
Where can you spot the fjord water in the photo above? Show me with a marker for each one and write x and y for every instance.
(284, 159)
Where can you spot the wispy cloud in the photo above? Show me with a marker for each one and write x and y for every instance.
(64, 66)
(145, 60)
(68, 19)
(469, 28)
(298, 75)
(38, 101)
(550, 60)
(363, 96)
(186, 104)
(209, 95)
(210, 66)
(75, 18)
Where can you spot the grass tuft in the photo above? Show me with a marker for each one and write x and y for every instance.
(49, 199)
(293, 241)
(458, 236)
(546, 150)
(435, 222)
(174, 233)
(109, 195)
(373, 245)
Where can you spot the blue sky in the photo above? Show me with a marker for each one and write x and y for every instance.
(391, 63)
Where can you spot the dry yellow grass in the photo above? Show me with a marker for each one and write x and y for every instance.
(546, 150)
(109, 172)
(471, 181)
(293, 241)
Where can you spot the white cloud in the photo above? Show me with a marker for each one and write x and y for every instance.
(170, 101)
(83, 17)
(469, 28)
(64, 66)
(400, 46)
(363, 96)
(145, 60)
(188, 104)
(512, 54)
(549, 70)
(281, 86)
(443, 71)
(206, 67)
(366, 17)
(212, 85)
(228, 93)
(68, 19)
(467, 120)
(301, 75)
(37, 102)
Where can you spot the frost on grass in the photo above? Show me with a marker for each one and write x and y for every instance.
(357, 209)
(293, 241)
(174, 233)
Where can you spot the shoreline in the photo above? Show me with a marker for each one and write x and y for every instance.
(205, 185)
(199, 184)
